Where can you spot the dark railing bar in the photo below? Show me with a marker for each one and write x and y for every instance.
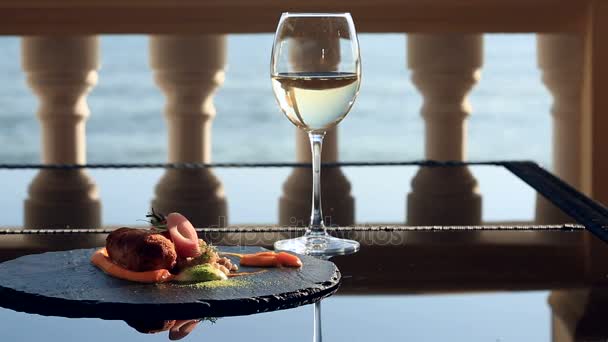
(426, 163)
(371, 229)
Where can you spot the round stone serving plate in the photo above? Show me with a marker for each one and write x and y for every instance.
(66, 284)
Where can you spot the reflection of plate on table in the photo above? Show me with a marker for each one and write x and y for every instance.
(67, 284)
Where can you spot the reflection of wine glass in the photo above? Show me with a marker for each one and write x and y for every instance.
(317, 332)
(316, 72)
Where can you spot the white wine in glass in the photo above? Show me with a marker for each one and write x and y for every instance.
(316, 72)
(315, 101)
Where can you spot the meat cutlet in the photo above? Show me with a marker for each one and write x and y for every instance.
(141, 250)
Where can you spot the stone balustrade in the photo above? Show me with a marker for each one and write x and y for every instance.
(444, 69)
(338, 206)
(189, 68)
(560, 58)
(61, 71)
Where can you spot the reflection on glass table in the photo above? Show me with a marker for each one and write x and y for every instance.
(515, 316)
(177, 329)
(468, 195)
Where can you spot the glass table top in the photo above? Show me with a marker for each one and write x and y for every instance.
(381, 193)
(471, 253)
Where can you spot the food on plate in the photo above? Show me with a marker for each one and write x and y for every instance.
(141, 250)
(198, 273)
(170, 250)
(270, 259)
(102, 260)
(182, 233)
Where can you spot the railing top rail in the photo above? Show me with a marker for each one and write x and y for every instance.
(32, 17)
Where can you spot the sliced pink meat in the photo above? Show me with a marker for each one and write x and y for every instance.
(183, 235)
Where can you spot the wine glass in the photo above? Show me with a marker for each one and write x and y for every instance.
(316, 72)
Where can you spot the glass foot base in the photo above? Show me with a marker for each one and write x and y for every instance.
(318, 245)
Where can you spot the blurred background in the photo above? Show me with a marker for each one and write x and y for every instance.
(510, 118)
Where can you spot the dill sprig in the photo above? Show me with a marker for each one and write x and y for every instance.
(158, 221)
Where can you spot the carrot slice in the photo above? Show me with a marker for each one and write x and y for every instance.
(101, 259)
(270, 253)
(289, 260)
(238, 255)
(259, 260)
(270, 259)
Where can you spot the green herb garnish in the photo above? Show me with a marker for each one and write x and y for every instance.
(158, 221)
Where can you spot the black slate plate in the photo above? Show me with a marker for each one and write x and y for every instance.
(66, 284)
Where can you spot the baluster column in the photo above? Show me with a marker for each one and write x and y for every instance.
(578, 315)
(337, 204)
(444, 69)
(62, 70)
(188, 69)
(560, 57)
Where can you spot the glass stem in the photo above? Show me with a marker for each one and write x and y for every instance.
(316, 216)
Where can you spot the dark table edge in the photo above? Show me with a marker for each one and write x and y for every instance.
(589, 213)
